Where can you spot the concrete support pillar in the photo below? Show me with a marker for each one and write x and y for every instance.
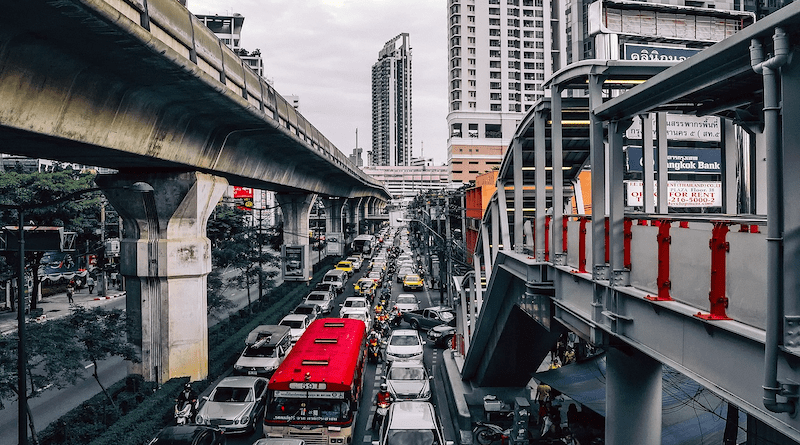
(165, 260)
(648, 173)
(333, 215)
(296, 208)
(633, 398)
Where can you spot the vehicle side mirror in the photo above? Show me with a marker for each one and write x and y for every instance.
(375, 442)
(204, 398)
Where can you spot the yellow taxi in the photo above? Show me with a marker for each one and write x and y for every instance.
(346, 266)
(365, 287)
(412, 282)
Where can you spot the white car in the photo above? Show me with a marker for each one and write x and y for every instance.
(404, 344)
(355, 304)
(322, 299)
(406, 302)
(236, 404)
(360, 316)
(356, 262)
(412, 423)
(408, 380)
(297, 324)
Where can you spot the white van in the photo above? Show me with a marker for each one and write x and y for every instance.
(267, 346)
(336, 277)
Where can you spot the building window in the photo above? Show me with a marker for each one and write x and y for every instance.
(455, 130)
(494, 53)
(494, 85)
(493, 131)
(494, 75)
(494, 64)
(494, 96)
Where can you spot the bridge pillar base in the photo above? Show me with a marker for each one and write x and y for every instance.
(165, 259)
(633, 398)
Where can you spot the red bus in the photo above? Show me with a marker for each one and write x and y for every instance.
(314, 393)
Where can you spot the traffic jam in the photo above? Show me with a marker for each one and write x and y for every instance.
(354, 362)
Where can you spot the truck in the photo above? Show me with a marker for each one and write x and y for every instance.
(266, 347)
(429, 317)
(363, 244)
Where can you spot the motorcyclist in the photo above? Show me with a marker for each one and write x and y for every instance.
(374, 341)
(382, 401)
(188, 395)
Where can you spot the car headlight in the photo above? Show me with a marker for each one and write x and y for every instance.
(199, 419)
(244, 420)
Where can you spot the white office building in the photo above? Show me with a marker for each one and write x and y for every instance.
(391, 104)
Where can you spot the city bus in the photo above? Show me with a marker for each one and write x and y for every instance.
(314, 393)
(363, 244)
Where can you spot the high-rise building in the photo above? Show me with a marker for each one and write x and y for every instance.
(391, 104)
(501, 52)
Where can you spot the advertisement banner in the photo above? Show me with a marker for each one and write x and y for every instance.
(334, 243)
(681, 127)
(295, 263)
(242, 192)
(680, 160)
(681, 193)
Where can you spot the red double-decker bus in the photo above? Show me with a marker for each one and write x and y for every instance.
(314, 393)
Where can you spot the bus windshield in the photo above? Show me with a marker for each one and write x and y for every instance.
(311, 410)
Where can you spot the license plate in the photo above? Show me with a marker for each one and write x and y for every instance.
(252, 372)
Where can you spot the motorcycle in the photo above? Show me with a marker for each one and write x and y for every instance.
(374, 350)
(489, 433)
(184, 414)
(380, 414)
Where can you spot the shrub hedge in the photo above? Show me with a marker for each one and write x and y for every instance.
(144, 409)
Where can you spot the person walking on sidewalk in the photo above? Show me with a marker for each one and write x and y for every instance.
(90, 284)
(70, 290)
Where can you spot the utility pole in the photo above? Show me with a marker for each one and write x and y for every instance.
(448, 254)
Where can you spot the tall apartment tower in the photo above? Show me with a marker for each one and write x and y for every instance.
(500, 54)
(391, 104)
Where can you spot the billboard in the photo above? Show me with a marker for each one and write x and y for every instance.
(658, 52)
(681, 127)
(681, 193)
(680, 160)
(296, 266)
(334, 243)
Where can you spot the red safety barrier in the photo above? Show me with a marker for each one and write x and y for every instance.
(547, 237)
(719, 252)
(626, 242)
(564, 231)
(663, 281)
(605, 225)
(582, 245)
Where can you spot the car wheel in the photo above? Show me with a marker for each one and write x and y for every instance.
(446, 341)
(415, 325)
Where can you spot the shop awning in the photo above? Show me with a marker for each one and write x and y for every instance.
(691, 414)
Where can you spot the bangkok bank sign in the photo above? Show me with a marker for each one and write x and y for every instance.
(681, 193)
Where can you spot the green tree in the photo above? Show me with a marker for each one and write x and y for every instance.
(80, 215)
(100, 334)
(235, 243)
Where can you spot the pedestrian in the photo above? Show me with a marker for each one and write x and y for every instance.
(90, 284)
(70, 290)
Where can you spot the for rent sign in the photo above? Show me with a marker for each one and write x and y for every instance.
(681, 193)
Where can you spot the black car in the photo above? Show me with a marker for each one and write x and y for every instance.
(189, 435)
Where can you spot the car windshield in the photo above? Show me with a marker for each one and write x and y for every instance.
(343, 265)
(235, 395)
(412, 437)
(294, 324)
(354, 303)
(412, 277)
(264, 351)
(316, 297)
(307, 310)
(406, 374)
(404, 340)
(406, 300)
(446, 316)
(330, 278)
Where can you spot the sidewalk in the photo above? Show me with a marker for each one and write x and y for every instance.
(57, 305)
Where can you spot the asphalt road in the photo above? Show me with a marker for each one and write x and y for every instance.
(373, 376)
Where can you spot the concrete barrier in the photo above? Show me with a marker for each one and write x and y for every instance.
(456, 401)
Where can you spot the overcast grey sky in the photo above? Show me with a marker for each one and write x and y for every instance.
(323, 52)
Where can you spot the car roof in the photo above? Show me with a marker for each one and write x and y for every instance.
(319, 292)
(412, 416)
(407, 364)
(295, 317)
(355, 299)
(404, 332)
(242, 381)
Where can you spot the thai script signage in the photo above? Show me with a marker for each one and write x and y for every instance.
(681, 127)
(681, 193)
(646, 53)
(680, 160)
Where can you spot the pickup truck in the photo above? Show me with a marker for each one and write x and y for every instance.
(429, 317)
